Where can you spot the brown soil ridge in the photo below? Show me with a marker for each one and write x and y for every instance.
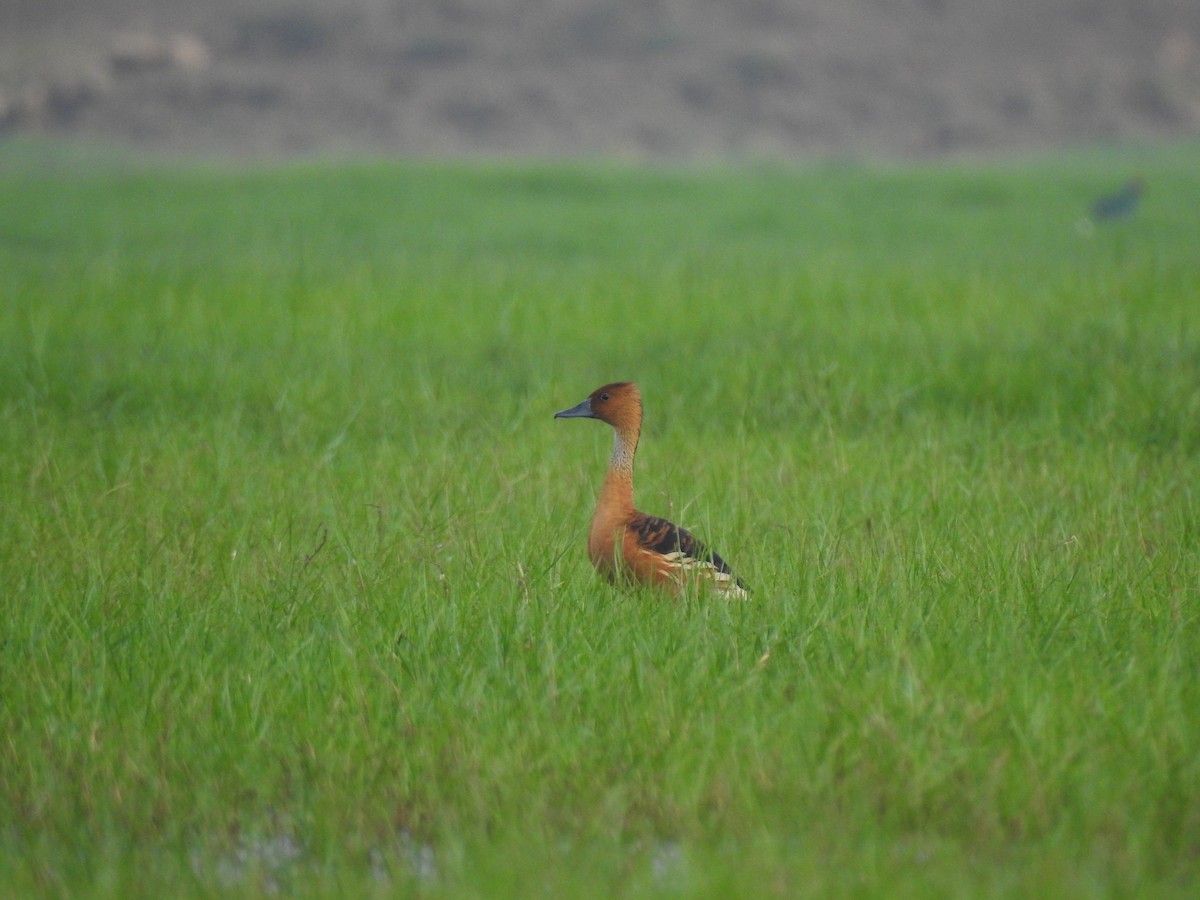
(642, 79)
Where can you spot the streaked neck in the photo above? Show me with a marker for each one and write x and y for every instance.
(616, 496)
(624, 447)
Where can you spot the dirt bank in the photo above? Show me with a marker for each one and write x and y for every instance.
(653, 79)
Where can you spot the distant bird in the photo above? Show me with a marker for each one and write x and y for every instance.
(627, 545)
(1121, 204)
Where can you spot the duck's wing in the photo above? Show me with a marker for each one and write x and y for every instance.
(681, 550)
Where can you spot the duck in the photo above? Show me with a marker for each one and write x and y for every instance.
(1120, 204)
(628, 546)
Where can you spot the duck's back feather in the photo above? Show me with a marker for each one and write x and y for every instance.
(680, 551)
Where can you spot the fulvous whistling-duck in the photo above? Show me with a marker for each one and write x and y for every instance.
(625, 544)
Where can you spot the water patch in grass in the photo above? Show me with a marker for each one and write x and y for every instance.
(406, 859)
(268, 860)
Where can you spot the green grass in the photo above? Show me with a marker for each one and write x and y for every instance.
(292, 560)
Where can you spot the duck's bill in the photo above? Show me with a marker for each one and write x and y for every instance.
(580, 411)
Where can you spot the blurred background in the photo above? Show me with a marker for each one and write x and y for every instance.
(641, 79)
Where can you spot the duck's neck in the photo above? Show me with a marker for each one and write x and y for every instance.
(614, 508)
(617, 493)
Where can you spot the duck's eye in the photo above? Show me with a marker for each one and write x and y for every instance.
(604, 396)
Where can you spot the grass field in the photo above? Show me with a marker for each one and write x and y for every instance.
(295, 595)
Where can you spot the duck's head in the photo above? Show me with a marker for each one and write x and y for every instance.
(619, 404)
